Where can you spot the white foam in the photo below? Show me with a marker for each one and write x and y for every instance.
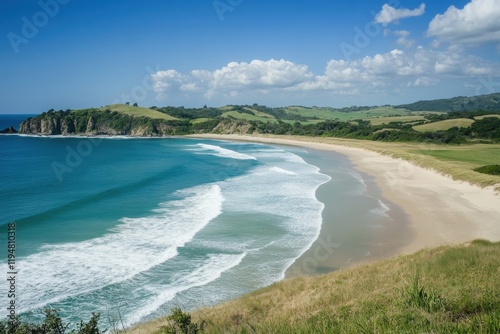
(360, 179)
(224, 152)
(138, 244)
(283, 186)
(281, 170)
(381, 210)
(209, 271)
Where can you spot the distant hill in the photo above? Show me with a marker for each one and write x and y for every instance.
(490, 102)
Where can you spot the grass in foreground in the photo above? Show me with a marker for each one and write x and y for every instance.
(442, 290)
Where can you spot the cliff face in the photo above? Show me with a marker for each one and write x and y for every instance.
(50, 126)
(107, 123)
(47, 127)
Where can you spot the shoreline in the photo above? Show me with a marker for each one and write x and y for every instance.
(440, 211)
(369, 240)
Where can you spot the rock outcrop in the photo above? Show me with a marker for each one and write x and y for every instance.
(10, 129)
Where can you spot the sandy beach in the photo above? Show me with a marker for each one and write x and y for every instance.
(435, 209)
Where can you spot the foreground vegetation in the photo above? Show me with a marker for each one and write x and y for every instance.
(52, 324)
(450, 289)
(442, 290)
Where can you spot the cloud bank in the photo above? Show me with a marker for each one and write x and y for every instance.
(384, 72)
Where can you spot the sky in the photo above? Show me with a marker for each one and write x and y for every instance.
(71, 54)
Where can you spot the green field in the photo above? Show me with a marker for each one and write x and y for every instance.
(239, 115)
(444, 125)
(137, 111)
(200, 120)
(327, 113)
(470, 157)
(259, 113)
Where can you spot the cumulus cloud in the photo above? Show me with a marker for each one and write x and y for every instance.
(383, 72)
(389, 14)
(478, 22)
(403, 38)
(256, 75)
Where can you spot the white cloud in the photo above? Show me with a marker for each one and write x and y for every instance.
(403, 38)
(256, 75)
(381, 73)
(478, 22)
(389, 14)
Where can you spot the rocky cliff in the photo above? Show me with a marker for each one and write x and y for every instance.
(49, 125)
(94, 122)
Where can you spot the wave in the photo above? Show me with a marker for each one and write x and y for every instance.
(284, 187)
(360, 179)
(224, 152)
(209, 271)
(59, 271)
(281, 170)
(381, 210)
(100, 196)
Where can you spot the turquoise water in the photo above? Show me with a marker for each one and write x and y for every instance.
(133, 227)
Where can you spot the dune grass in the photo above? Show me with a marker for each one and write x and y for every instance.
(137, 111)
(444, 125)
(442, 290)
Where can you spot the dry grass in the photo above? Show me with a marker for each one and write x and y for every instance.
(483, 117)
(444, 125)
(373, 298)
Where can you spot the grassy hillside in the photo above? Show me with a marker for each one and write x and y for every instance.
(443, 290)
(444, 125)
(137, 111)
(249, 117)
(490, 102)
(339, 114)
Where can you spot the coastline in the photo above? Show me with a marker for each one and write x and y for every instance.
(438, 210)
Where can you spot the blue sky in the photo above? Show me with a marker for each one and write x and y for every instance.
(84, 53)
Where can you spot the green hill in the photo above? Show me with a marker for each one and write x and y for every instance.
(490, 102)
(442, 290)
(137, 111)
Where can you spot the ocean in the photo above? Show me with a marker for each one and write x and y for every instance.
(132, 227)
